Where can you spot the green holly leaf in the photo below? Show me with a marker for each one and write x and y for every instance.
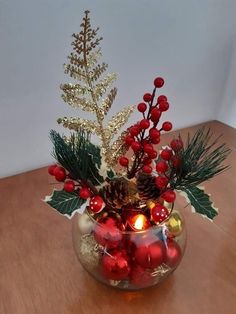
(65, 203)
(200, 201)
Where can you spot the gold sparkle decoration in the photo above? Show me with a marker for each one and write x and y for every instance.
(93, 92)
(160, 272)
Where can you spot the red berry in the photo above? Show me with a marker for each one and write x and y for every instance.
(158, 82)
(84, 193)
(129, 140)
(136, 146)
(169, 196)
(155, 140)
(142, 107)
(144, 124)
(164, 106)
(147, 169)
(176, 162)
(69, 186)
(60, 174)
(153, 154)
(155, 115)
(167, 126)
(159, 213)
(161, 182)
(124, 161)
(161, 167)
(161, 98)
(96, 204)
(176, 144)
(147, 161)
(134, 131)
(51, 169)
(166, 154)
(154, 133)
(147, 97)
(148, 148)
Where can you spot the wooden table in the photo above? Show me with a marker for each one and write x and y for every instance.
(39, 272)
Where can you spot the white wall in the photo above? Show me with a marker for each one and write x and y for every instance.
(188, 42)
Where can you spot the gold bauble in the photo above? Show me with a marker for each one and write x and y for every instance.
(175, 224)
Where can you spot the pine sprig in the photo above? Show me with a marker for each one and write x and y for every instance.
(201, 160)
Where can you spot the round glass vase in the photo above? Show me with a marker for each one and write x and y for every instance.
(129, 260)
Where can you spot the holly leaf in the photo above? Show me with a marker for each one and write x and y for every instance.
(65, 203)
(200, 201)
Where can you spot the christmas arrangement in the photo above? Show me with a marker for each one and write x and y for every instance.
(128, 233)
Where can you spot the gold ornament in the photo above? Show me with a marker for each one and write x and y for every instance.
(174, 224)
(150, 204)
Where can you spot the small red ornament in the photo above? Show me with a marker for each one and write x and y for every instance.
(147, 97)
(116, 265)
(159, 213)
(153, 154)
(161, 167)
(69, 186)
(60, 174)
(154, 133)
(140, 277)
(147, 169)
(136, 146)
(161, 182)
(148, 148)
(142, 107)
(159, 82)
(166, 154)
(167, 126)
(161, 98)
(173, 253)
(51, 169)
(84, 193)
(107, 233)
(96, 204)
(169, 196)
(155, 115)
(134, 131)
(176, 144)
(176, 162)
(164, 106)
(144, 124)
(129, 140)
(123, 161)
(149, 253)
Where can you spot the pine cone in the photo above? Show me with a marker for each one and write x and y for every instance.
(147, 188)
(118, 193)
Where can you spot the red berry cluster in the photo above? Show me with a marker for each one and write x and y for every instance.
(144, 134)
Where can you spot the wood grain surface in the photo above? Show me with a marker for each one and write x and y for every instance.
(39, 272)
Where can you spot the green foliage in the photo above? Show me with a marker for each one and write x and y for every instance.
(65, 203)
(78, 156)
(200, 201)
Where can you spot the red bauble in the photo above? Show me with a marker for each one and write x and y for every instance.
(153, 154)
(123, 161)
(116, 266)
(144, 124)
(134, 131)
(60, 174)
(96, 204)
(69, 186)
(147, 97)
(164, 106)
(166, 154)
(161, 98)
(173, 254)
(136, 146)
(159, 82)
(176, 144)
(147, 169)
(51, 169)
(154, 133)
(108, 234)
(167, 126)
(84, 193)
(148, 148)
(142, 107)
(140, 277)
(169, 196)
(159, 213)
(129, 140)
(155, 115)
(161, 182)
(161, 167)
(149, 254)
